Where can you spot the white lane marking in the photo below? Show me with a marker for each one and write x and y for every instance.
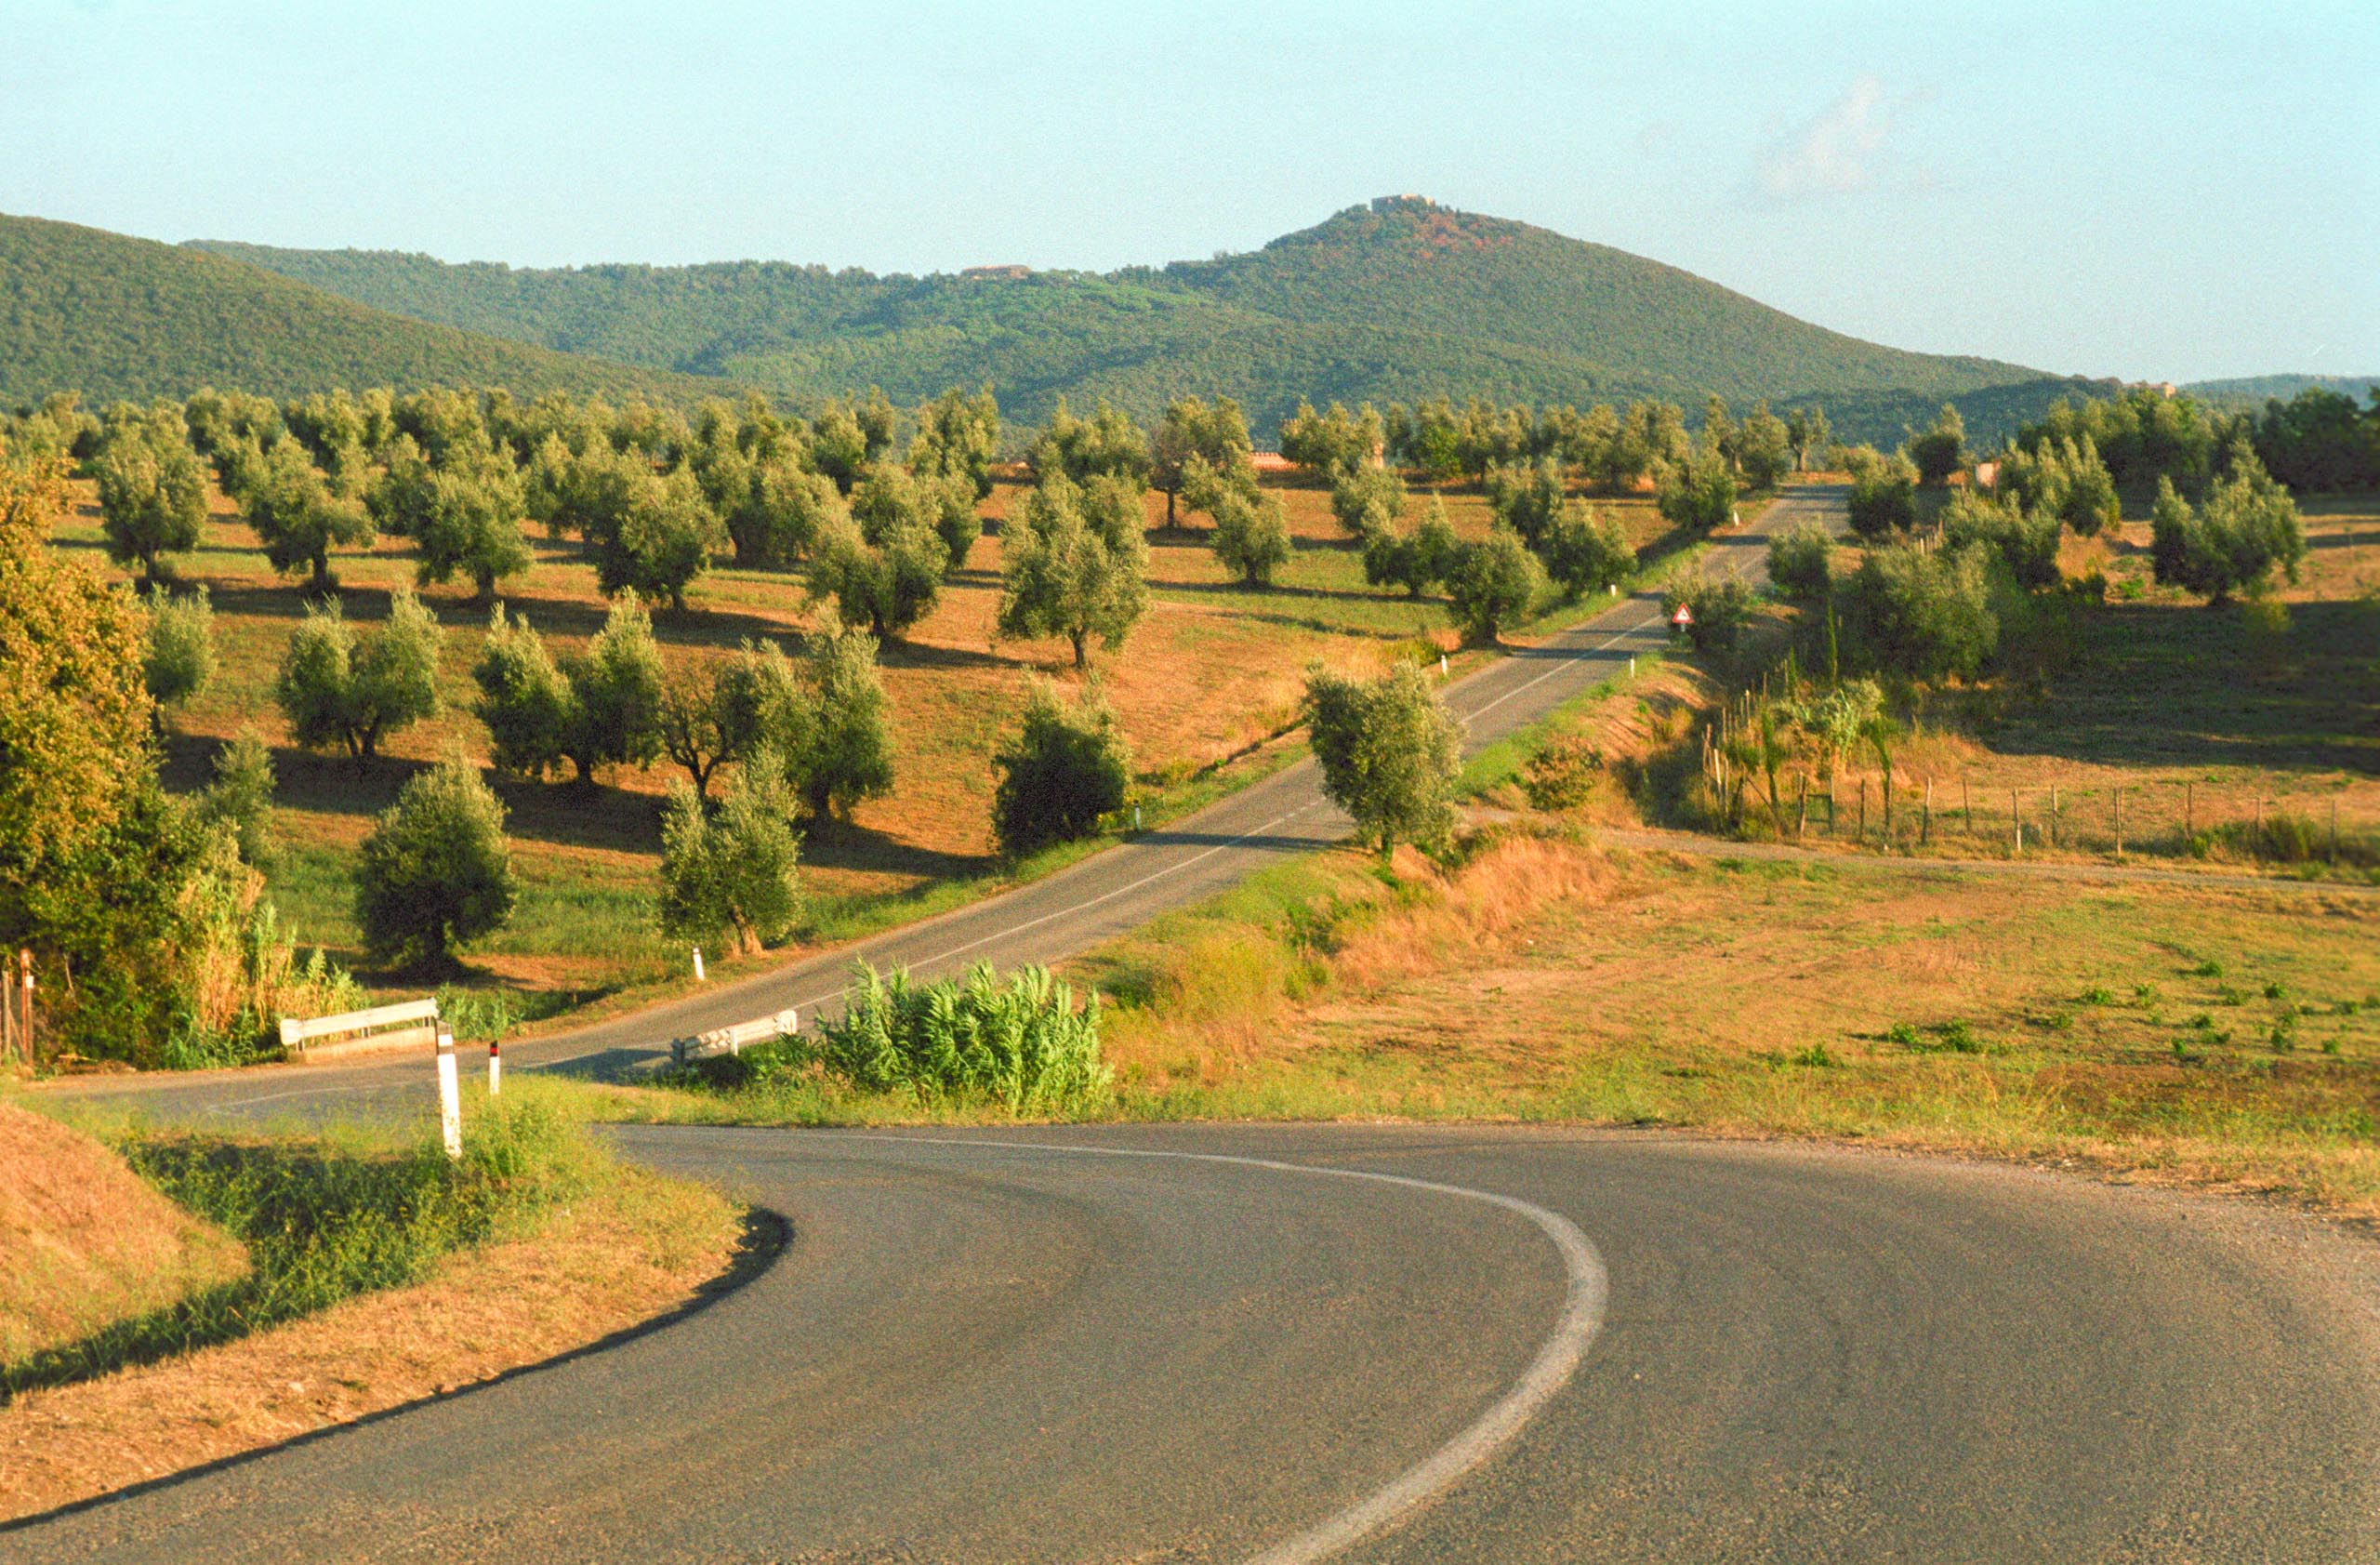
(1557, 1361)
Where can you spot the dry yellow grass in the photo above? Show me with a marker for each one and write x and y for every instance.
(639, 1248)
(83, 1241)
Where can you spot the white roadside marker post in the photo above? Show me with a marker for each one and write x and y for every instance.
(1442, 665)
(495, 1067)
(698, 966)
(450, 1094)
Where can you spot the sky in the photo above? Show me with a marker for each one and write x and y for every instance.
(2175, 190)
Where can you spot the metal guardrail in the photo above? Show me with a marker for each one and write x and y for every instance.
(412, 1021)
(733, 1039)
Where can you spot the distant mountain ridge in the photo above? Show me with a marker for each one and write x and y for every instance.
(110, 316)
(2253, 390)
(1395, 300)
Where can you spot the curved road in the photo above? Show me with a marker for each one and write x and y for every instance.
(1055, 1346)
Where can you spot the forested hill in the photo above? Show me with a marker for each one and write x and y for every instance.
(1394, 301)
(87, 311)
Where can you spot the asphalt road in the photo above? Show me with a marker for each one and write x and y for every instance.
(1053, 1347)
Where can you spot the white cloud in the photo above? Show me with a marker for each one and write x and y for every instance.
(1838, 151)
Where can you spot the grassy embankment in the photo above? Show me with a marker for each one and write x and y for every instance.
(189, 1295)
(1208, 678)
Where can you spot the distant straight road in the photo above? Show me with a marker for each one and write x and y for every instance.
(1118, 889)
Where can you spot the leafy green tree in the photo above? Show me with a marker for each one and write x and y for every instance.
(1417, 560)
(297, 516)
(153, 492)
(2027, 545)
(1214, 432)
(1492, 584)
(1584, 551)
(1800, 562)
(887, 585)
(890, 500)
(2248, 526)
(1940, 451)
(1326, 445)
(2320, 440)
(182, 647)
(664, 538)
(732, 870)
(845, 758)
(1884, 495)
(1717, 610)
(1764, 448)
(1806, 431)
(471, 524)
(524, 700)
(337, 692)
(1698, 492)
(1067, 768)
(2089, 503)
(587, 492)
(1525, 497)
(239, 799)
(956, 438)
(1720, 436)
(1366, 501)
(1390, 753)
(617, 685)
(1060, 577)
(782, 512)
(1923, 615)
(1251, 536)
(1208, 489)
(436, 872)
(1429, 440)
(1106, 442)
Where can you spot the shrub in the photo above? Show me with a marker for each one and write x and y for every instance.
(1926, 616)
(1717, 609)
(1584, 551)
(1800, 562)
(182, 647)
(2248, 526)
(436, 872)
(1884, 495)
(1024, 1045)
(1560, 774)
(338, 691)
(1389, 751)
(731, 870)
(241, 798)
(1940, 451)
(1067, 768)
(1492, 584)
(2026, 545)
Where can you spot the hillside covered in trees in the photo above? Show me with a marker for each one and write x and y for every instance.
(83, 310)
(1398, 300)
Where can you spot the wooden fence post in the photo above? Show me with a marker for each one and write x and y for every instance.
(2119, 820)
(1863, 810)
(2189, 811)
(1925, 822)
(25, 993)
(2015, 821)
(2053, 814)
(1966, 807)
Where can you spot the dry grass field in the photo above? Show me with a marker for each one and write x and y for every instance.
(1212, 671)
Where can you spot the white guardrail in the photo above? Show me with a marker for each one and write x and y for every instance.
(733, 1039)
(412, 1022)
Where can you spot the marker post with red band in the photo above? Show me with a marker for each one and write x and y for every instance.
(495, 1067)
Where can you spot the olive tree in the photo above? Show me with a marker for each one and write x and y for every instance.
(887, 584)
(1925, 614)
(1060, 577)
(1764, 448)
(1697, 492)
(1526, 497)
(1940, 451)
(662, 539)
(1366, 501)
(436, 871)
(1326, 445)
(729, 870)
(1416, 559)
(1884, 495)
(2231, 544)
(1493, 583)
(1214, 432)
(1389, 751)
(152, 491)
(956, 438)
(1251, 536)
(846, 754)
(338, 691)
(1067, 768)
(1108, 442)
(296, 514)
(470, 520)
(1800, 562)
(182, 647)
(1584, 550)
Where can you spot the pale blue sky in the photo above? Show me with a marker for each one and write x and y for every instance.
(2152, 190)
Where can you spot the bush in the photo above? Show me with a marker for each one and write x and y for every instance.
(2248, 526)
(1717, 609)
(1940, 451)
(436, 872)
(1800, 562)
(182, 647)
(337, 691)
(1067, 768)
(1560, 774)
(1025, 1044)
(1583, 551)
(1884, 495)
(1924, 615)
(1492, 584)
(2026, 545)
(1389, 750)
(241, 798)
(731, 870)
